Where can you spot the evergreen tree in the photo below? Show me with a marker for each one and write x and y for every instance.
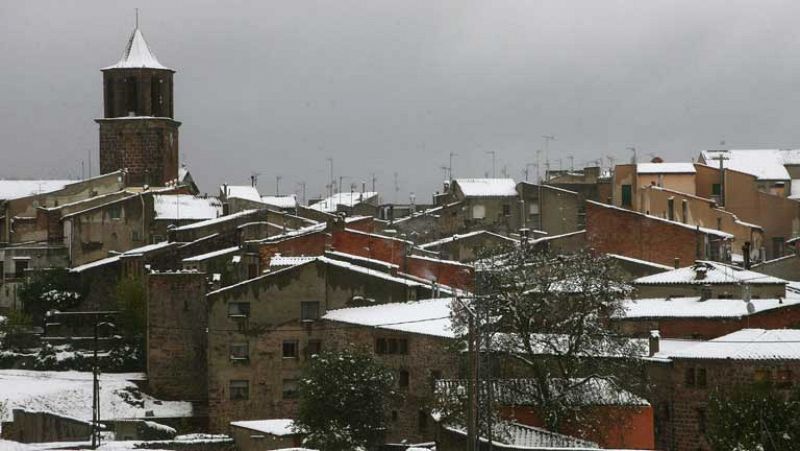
(343, 401)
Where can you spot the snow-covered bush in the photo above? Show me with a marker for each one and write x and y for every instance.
(150, 430)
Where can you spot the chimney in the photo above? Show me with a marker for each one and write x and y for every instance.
(705, 292)
(654, 342)
(676, 263)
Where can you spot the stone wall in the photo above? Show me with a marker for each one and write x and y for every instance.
(146, 146)
(38, 427)
(176, 335)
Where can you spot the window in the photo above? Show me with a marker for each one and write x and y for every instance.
(290, 389)
(671, 209)
(19, 268)
(394, 415)
(627, 196)
(313, 347)
(115, 211)
(701, 421)
(506, 210)
(391, 346)
(716, 189)
(240, 351)
(784, 379)
(402, 379)
(289, 349)
(240, 390)
(700, 376)
(478, 212)
(777, 246)
(2, 270)
(684, 211)
(309, 311)
(239, 309)
(695, 377)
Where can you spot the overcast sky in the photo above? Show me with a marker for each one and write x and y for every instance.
(277, 87)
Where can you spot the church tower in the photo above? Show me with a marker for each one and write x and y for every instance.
(138, 131)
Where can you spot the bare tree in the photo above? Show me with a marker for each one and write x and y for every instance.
(547, 317)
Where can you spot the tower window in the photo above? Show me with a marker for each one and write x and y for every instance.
(133, 96)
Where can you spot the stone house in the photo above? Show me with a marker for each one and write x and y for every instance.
(264, 435)
(551, 209)
(685, 376)
(628, 178)
(418, 349)
(469, 246)
(592, 183)
(262, 330)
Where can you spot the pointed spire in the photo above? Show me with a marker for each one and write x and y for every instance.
(137, 53)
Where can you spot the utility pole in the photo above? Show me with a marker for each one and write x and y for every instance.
(99, 318)
(721, 158)
(472, 379)
(492, 153)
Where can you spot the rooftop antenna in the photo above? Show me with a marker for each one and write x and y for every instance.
(330, 162)
(493, 153)
(444, 171)
(632, 149)
(254, 178)
(303, 187)
(396, 187)
(450, 168)
(278, 185)
(526, 171)
(571, 162)
(610, 160)
(374, 179)
(538, 154)
(547, 139)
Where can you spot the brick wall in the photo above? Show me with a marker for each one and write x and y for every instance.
(311, 244)
(148, 148)
(616, 231)
(678, 408)
(176, 335)
(708, 328)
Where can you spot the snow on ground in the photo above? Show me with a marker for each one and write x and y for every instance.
(69, 393)
(181, 440)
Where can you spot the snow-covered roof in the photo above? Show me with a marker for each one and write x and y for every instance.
(185, 206)
(765, 164)
(707, 272)
(289, 201)
(665, 168)
(12, 189)
(137, 54)
(745, 344)
(241, 192)
(427, 317)
(487, 187)
(218, 220)
(212, 254)
(278, 427)
(695, 307)
(149, 248)
(96, 263)
(282, 261)
(462, 236)
(330, 204)
(640, 262)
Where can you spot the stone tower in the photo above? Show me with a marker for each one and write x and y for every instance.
(138, 132)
